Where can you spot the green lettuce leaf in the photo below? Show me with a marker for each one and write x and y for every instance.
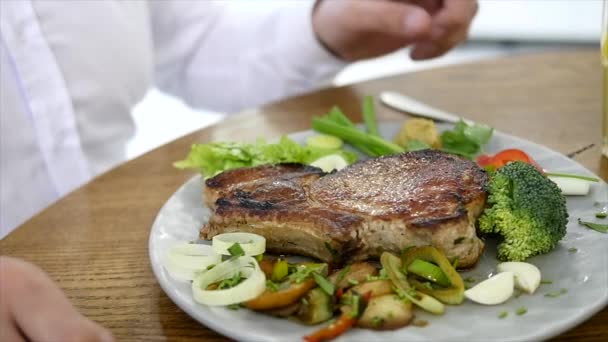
(466, 140)
(213, 158)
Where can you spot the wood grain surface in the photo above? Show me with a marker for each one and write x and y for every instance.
(94, 242)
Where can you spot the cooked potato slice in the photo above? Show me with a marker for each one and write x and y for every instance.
(377, 287)
(386, 312)
(420, 129)
(354, 274)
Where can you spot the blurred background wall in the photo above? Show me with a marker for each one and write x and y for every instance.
(502, 27)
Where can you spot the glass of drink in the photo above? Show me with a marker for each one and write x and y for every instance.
(604, 49)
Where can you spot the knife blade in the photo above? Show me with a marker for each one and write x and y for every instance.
(407, 104)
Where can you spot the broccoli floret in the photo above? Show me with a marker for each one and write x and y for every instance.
(526, 209)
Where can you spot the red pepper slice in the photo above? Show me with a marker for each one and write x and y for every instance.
(503, 157)
(332, 331)
(484, 160)
(339, 293)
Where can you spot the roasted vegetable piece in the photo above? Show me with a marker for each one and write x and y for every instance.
(454, 292)
(316, 307)
(345, 322)
(353, 274)
(266, 266)
(419, 129)
(286, 311)
(392, 264)
(386, 312)
(272, 300)
(376, 287)
(332, 331)
(526, 209)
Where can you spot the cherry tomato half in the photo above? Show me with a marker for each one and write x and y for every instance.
(505, 156)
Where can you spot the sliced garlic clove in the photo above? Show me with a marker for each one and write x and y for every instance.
(527, 276)
(492, 291)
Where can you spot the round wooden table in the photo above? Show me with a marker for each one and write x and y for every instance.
(94, 242)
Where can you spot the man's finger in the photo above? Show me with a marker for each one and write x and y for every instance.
(456, 14)
(40, 309)
(403, 20)
(431, 48)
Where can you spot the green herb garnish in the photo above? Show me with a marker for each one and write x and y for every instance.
(230, 282)
(381, 276)
(554, 294)
(466, 140)
(324, 284)
(503, 314)
(459, 240)
(545, 282)
(470, 279)
(236, 250)
(601, 214)
(272, 286)
(572, 249)
(521, 310)
(303, 272)
(331, 250)
(599, 227)
(342, 274)
(377, 321)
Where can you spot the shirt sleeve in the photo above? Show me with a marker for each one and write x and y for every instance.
(227, 56)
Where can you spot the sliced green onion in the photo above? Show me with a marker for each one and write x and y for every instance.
(571, 186)
(567, 175)
(355, 136)
(184, 261)
(342, 274)
(324, 284)
(369, 116)
(521, 310)
(251, 244)
(251, 287)
(598, 227)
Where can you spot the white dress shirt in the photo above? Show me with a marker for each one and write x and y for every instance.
(70, 72)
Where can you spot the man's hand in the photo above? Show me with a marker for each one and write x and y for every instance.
(33, 308)
(359, 29)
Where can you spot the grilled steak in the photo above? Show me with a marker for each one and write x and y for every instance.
(387, 203)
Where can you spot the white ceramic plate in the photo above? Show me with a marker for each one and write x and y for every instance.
(583, 273)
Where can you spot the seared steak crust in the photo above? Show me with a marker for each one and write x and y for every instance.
(388, 203)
